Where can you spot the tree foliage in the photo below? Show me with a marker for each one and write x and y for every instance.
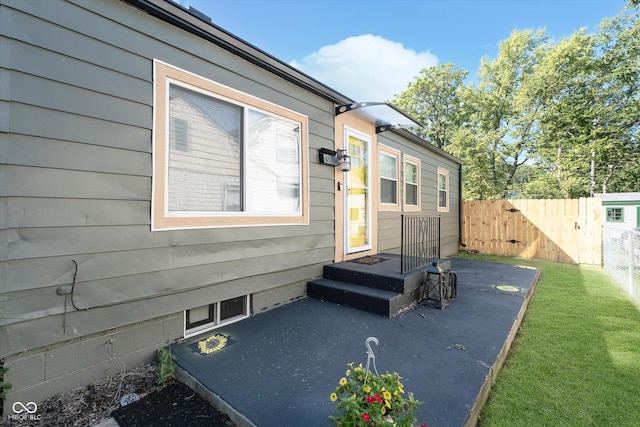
(545, 118)
(435, 100)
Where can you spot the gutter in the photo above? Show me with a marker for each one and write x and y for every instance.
(460, 207)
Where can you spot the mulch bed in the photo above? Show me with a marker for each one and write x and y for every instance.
(174, 405)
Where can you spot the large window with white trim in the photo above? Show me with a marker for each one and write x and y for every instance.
(223, 157)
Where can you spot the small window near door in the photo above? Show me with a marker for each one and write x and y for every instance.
(443, 190)
(615, 215)
(411, 183)
(211, 316)
(389, 171)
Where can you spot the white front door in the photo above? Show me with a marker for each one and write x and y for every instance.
(358, 195)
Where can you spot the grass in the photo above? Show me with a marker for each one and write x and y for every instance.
(576, 359)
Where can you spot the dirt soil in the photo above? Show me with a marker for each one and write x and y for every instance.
(174, 405)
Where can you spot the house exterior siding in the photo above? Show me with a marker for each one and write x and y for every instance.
(77, 102)
(431, 158)
(86, 286)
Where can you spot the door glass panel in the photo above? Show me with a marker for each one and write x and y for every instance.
(358, 196)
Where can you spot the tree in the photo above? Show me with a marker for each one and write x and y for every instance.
(434, 99)
(590, 127)
(546, 118)
(502, 116)
(560, 80)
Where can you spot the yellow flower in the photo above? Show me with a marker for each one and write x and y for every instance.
(387, 404)
(383, 410)
(333, 397)
(348, 372)
(386, 395)
(366, 389)
(212, 344)
(343, 381)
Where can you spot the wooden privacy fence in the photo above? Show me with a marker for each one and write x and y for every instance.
(564, 230)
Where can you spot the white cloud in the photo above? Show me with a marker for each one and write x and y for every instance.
(366, 67)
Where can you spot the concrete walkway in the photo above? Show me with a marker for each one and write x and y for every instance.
(279, 367)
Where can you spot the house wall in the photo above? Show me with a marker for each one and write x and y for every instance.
(75, 184)
(389, 222)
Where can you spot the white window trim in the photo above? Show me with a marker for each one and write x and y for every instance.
(216, 323)
(394, 153)
(161, 219)
(444, 172)
(415, 161)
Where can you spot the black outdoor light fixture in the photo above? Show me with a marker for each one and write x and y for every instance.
(338, 158)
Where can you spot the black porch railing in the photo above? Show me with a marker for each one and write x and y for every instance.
(420, 241)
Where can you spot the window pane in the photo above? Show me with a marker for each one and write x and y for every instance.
(442, 199)
(201, 316)
(442, 181)
(233, 307)
(614, 214)
(207, 161)
(388, 166)
(411, 173)
(388, 191)
(179, 138)
(273, 165)
(412, 194)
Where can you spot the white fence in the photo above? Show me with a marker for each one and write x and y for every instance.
(621, 258)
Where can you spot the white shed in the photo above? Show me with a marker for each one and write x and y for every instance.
(620, 210)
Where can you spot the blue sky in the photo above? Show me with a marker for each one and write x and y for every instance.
(370, 50)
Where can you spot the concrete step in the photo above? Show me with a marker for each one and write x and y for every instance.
(379, 301)
(366, 276)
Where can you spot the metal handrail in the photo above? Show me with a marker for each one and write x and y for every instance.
(420, 242)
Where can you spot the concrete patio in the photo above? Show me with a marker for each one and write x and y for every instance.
(279, 367)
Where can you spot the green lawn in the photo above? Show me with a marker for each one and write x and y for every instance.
(576, 359)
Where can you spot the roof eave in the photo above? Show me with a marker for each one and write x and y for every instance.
(426, 144)
(180, 17)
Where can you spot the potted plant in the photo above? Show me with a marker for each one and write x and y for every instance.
(365, 399)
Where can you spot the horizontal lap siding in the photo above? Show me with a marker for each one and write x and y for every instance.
(389, 223)
(76, 166)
